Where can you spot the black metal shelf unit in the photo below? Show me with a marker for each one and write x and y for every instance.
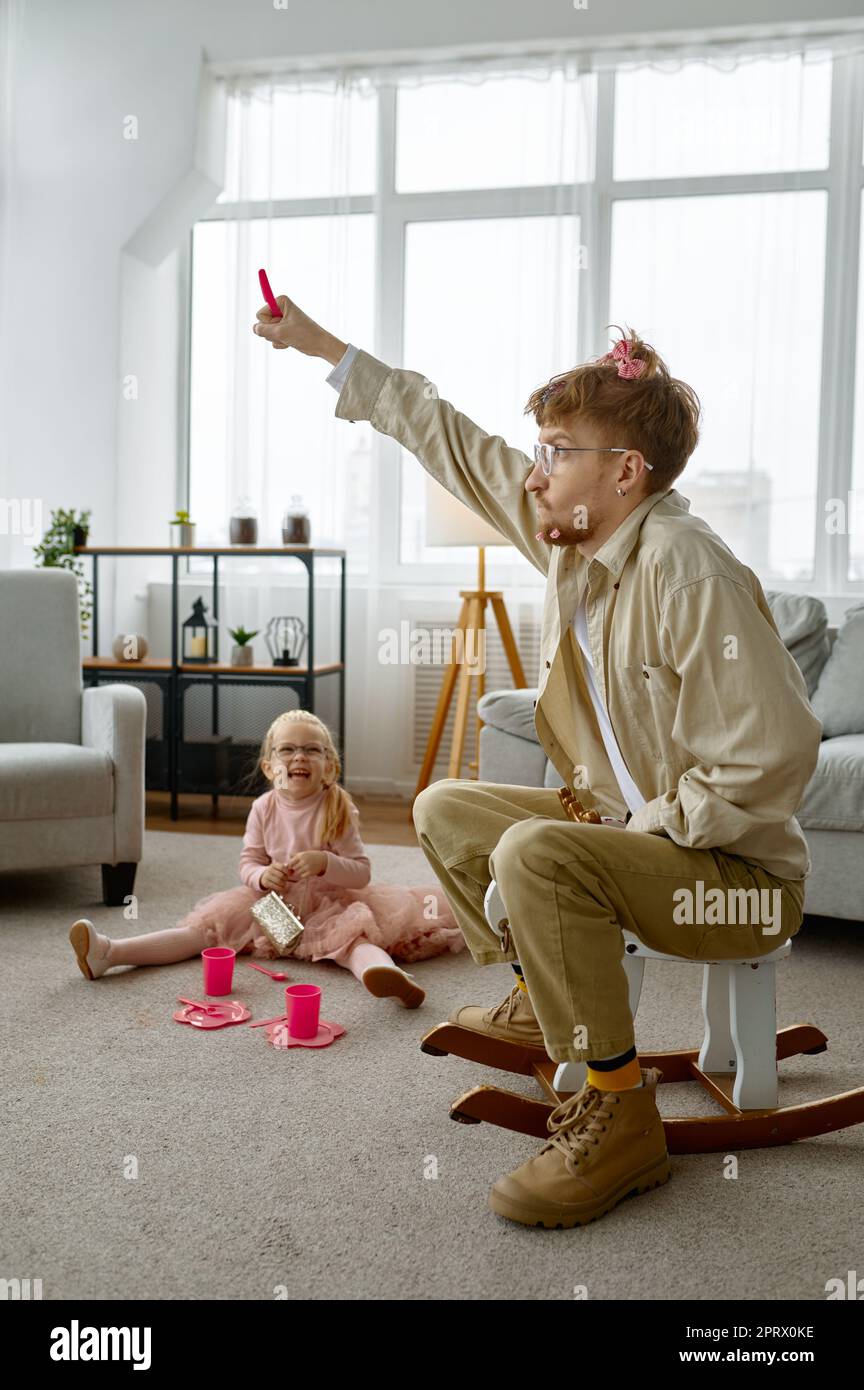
(215, 763)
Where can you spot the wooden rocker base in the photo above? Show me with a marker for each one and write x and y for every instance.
(474, 1046)
(736, 1129)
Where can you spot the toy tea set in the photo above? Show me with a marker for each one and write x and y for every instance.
(300, 1025)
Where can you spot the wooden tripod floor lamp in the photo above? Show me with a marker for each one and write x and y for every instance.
(450, 522)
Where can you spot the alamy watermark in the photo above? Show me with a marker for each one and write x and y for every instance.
(77, 1343)
(21, 516)
(422, 646)
(722, 907)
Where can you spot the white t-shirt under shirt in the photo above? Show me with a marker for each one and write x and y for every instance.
(629, 790)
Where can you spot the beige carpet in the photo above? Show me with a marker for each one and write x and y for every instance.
(259, 1168)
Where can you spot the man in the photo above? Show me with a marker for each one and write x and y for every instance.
(667, 702)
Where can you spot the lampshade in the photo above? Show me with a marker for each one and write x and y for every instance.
(450, 522)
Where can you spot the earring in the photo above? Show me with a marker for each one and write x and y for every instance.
(621, 492)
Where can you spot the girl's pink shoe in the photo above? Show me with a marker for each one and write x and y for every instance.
(91, 949)
(382, 980)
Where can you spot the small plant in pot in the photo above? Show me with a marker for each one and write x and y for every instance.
(242, 653)
(185, 532)
(79, 524)
(57, 550)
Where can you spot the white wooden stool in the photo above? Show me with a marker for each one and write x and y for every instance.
(736, 1063)
(738, 1010)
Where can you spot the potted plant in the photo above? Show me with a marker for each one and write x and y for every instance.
(242, 653)
(186, 529)
(80, 525)
(57, 550)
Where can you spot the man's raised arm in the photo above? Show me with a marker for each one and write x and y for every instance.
(482, 470)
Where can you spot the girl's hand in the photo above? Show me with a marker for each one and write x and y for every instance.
(309, 863)
(274, 877)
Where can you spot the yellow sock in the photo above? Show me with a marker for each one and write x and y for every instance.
(625, 1078)
(520, 978)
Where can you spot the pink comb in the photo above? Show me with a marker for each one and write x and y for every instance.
(268, 294)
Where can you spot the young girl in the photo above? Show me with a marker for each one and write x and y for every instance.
(302, 839)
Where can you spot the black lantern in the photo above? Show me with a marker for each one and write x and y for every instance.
(285, 638)
(199, 642)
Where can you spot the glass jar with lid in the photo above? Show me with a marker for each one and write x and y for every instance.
(244, 522)
(296, 527)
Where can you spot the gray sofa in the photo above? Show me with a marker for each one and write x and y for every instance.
(71, 760)
(831, 813)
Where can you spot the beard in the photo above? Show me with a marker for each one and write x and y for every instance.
(569, 533)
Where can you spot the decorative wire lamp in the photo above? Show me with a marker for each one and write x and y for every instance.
(285, 638)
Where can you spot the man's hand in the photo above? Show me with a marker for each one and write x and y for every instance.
(296, 329)
(309, 863)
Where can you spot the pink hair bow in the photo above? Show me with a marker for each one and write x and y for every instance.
(629, 367)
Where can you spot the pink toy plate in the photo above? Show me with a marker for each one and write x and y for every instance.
(232, 1011)
(327, 1033)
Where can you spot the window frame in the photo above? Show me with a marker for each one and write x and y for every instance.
(592, 201)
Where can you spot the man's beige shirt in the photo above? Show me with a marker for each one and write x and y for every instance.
(709, 709)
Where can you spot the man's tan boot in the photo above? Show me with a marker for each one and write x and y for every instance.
(605, 1145)
(513, 1019)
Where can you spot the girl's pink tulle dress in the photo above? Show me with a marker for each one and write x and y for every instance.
(337, 908)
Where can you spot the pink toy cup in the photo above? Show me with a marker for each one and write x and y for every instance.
(302, 1007)
(218, 969)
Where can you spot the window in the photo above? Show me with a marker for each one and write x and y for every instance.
(699, 122)
(486, 229)
(509, 132)
(468, 283)
(278, 434)
(712, 278)
(281, 144)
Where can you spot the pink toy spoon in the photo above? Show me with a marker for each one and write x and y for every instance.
(274, 974)
(196, 1004)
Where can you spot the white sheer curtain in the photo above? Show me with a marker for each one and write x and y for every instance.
(496, 287)
(262, 422)
(726, 278)
(537, 200)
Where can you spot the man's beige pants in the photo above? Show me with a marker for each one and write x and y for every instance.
(570, 888)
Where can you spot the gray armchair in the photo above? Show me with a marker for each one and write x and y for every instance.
(71, 760)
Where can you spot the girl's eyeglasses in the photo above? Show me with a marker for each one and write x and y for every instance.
(287, 750)
(544, 454)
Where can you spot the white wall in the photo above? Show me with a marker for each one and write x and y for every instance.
(76, 191)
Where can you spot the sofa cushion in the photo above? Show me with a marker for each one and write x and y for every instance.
(803, 626)
(40, 638)
(41, 781)
(839, 697)
(511, 711)
(834, 796)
